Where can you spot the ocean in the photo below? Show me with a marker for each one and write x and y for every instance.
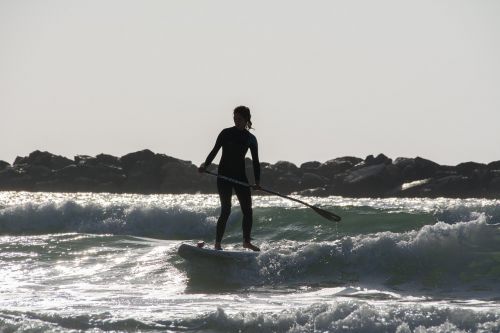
(86, 262)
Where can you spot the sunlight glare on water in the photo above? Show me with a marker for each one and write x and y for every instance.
(109, 262)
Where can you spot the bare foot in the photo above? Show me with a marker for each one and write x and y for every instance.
(217, 246)
(248, 245)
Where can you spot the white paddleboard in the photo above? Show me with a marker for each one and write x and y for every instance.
(193, 252)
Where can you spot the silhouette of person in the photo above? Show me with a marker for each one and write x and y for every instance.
(235, 142)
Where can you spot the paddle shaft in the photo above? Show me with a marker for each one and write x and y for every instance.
(316, 209)
(261, 189)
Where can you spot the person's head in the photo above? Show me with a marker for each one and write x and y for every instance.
(242, 116)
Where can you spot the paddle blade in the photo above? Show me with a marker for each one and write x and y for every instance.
(326, 214)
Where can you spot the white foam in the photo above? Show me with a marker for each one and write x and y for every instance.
(351, 316)
(133, 219)
(437, 256)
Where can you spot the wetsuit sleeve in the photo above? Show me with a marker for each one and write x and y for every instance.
(254, 150)
(215, 150)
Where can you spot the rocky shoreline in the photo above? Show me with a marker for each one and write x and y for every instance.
(146, 172)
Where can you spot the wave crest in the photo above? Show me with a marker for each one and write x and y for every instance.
(464, 255)
(140, 220)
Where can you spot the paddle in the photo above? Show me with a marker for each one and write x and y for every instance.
(327, 215)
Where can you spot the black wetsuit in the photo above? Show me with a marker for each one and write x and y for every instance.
(235, 144)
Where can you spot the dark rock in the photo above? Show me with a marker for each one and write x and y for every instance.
(333, 167)
(249, 169)
(288, 183)
(85, 160)
(263, 164)
(101, 160)
(403, 162)
(97, 173)
(109, 160)
(416, 168)
(444, 171)
(284, 175)
(286, 167)
(268, 175)
(147, 172)
(83, 177)
(183, 177)
(347, 159)
(470, 168)
(310, 166)
(71, 172)
(311, 180)
(15, 179)
(494, 165)
(38, 172)
(142, 170)
(452, 186)
(46, 159)
(131, 160)
(4, 165)
(380, 159)
(372, 180)
(493, 188)
(455, 186)
(364, 173)
(59, 185)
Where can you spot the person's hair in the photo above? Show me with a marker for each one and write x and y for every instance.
(245, 113)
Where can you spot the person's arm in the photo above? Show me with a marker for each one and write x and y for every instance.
(212, 154)
(254, 150)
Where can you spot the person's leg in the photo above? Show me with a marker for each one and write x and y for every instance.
(225, 190)
(245, 198)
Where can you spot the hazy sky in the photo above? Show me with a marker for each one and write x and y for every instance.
(323, 79)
